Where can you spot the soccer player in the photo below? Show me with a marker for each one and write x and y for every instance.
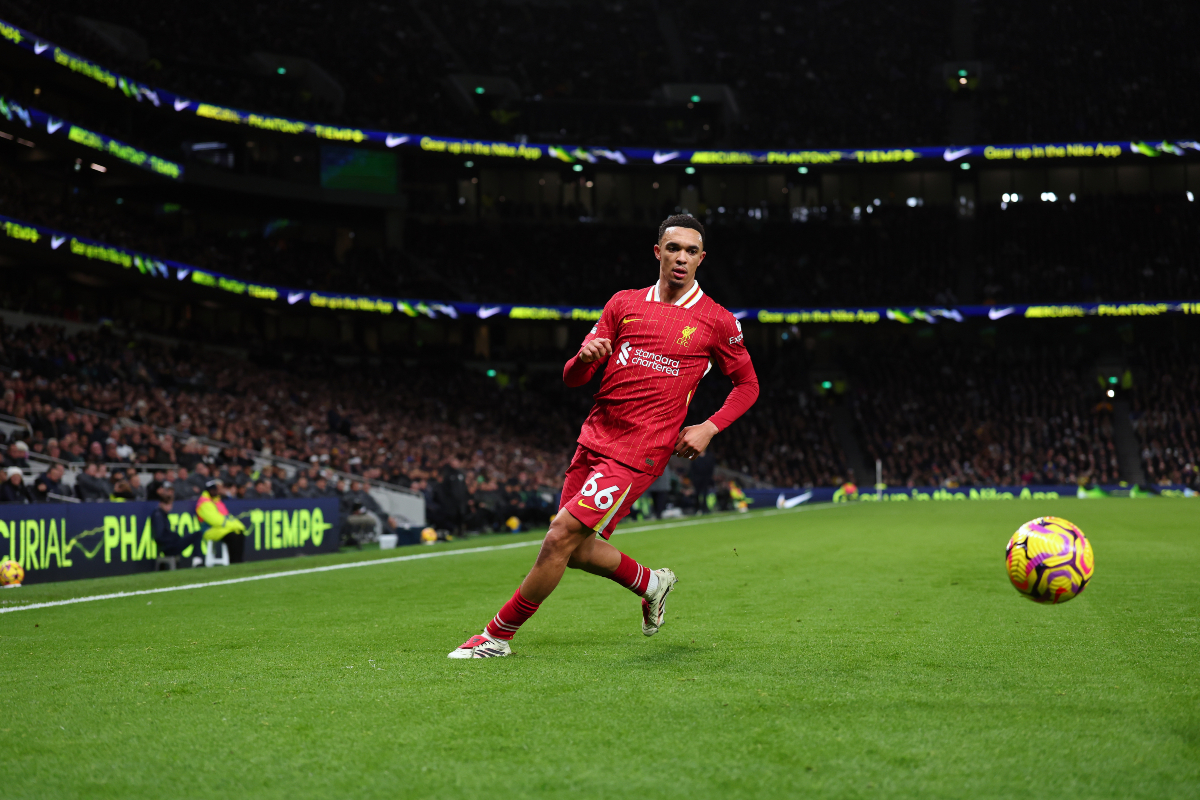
(658, 343)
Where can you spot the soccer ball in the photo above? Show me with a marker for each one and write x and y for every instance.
(429, 536)
(11, 573)
(1049, 560)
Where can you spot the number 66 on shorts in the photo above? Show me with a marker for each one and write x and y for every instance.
(599, 491)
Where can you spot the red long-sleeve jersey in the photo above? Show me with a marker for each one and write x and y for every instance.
(660, 352)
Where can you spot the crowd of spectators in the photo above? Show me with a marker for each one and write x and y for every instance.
(839, 74)
(114, 411)
(962, 416)
(1166, 413)
(422, 430)
(950, 415)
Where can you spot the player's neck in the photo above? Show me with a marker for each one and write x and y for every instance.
(669, 295)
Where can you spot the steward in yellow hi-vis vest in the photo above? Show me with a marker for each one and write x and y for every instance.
(211, 509)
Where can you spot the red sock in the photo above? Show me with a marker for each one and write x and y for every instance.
(632, 575)
(511, 617)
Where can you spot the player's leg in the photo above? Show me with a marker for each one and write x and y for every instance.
(599, 557)
(566, 535)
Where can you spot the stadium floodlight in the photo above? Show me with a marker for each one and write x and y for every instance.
(690, 170)
(1111, 393)
(804, 170)
(281, 70)
(877, 201)
(1049, 197)
(1072, 197)
(1191, 197)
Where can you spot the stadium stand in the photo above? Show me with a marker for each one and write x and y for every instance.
(1027, 252)
(953, 417)
(1167, 414)
(1116, 79)
(1084, 70)
(358, 424)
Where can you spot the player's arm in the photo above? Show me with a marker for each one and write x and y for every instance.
(595, 350)
(733, 360)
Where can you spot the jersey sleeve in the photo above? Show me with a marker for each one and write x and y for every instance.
(729, 348)
(575, 372)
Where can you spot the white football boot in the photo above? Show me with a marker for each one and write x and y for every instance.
(481, 647)
(654, 606)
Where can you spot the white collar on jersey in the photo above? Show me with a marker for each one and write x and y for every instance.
(689, 299)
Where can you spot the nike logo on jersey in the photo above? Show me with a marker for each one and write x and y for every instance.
(630, 319)
(585, 505)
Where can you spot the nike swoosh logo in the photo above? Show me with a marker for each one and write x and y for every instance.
(181, 104)
(449, 311)
(953, 155)
(997, 313)
(295, 297)
(611, 155)
(630, 319)
(56, 242)
(792, 502)
(662, 158)
(484, 313)
(40, 47)
(393, 141)
(585, 505)
(180, 274)
(53, 124)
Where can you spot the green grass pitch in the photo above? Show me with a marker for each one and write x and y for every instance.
(860, 651)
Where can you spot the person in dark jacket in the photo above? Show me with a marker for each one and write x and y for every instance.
(49, 482)
(452, 495)
(170, 543)
(14, 489)
(89, 486)
(702, 478)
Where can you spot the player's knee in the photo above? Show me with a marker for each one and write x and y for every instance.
(560, 543)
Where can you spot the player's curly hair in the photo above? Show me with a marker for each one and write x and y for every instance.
(680, 221)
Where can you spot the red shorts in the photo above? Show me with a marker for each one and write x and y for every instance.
(599, 491)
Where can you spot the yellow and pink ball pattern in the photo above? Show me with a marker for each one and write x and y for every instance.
(1049, 560)
(11, 573)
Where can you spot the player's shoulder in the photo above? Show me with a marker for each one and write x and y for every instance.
(714, 310)
(625, 296)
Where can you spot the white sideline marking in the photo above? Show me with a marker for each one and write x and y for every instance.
(393, 560)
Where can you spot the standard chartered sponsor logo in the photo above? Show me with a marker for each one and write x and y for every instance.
(644, 358)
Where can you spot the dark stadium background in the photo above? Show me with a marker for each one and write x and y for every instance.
(1093, 401)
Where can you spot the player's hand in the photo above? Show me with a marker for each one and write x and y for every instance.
(694, 439)
(595, 350)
